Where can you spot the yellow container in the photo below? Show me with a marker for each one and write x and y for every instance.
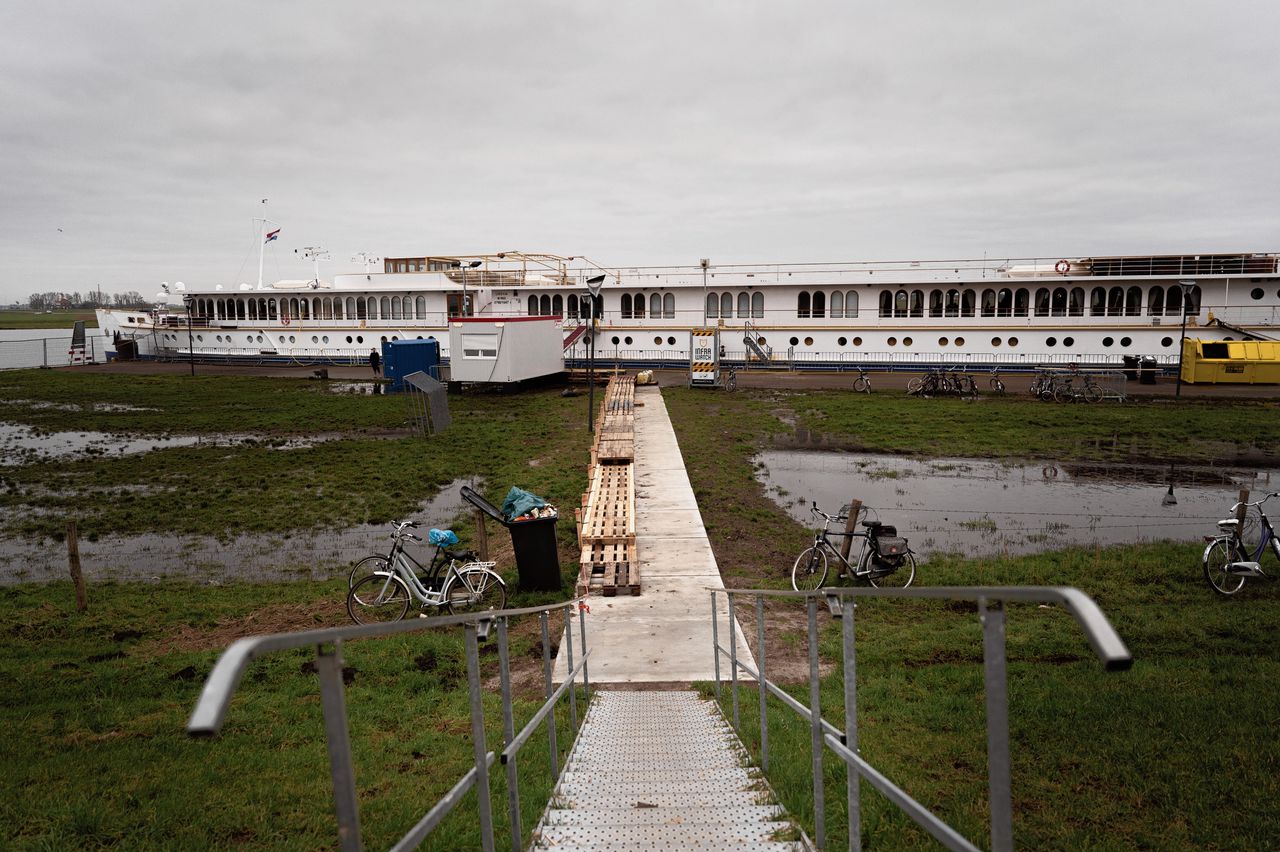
(1240, 361)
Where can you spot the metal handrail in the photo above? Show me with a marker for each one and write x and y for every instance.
(1106, 644)
(210, 711)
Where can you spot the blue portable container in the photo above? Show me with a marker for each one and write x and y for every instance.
(401, 358)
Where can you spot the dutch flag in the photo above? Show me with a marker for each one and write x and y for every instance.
(272, 235)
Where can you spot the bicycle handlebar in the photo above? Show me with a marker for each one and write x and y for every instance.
(1257, 502)
(813, 508)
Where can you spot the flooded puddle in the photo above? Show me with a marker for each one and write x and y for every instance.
(299, 555)
(24, 445)
(980, 507)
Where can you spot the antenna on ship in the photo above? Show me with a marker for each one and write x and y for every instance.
(264, 237)
(367, 259)
(315, 254)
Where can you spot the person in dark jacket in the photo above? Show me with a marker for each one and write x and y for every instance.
(375, 361)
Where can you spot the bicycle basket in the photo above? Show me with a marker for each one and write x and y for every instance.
(443, 538)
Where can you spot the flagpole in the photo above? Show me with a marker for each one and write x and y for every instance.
(262, 249)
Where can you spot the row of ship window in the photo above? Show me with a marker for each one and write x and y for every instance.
(319, 308)
(1051, 342)
(1019, 302)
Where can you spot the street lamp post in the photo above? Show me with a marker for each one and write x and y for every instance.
(704, 263)
(464, 267)
(1186, 290)
(187, 299)
(593, 288)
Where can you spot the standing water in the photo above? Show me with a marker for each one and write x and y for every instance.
(981, 507)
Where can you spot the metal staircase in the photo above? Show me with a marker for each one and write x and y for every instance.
(762, 354)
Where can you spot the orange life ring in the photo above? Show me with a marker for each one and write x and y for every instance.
(284, 319)
(1062, 267)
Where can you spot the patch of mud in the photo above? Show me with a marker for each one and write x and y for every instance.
(270, 618)
(21, 444)
(297, 555)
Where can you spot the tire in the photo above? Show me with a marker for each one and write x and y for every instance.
(898, 579)
(1064, 393)
(1092, 393)
(731, 383)
(369, 565)
(810, 570)
(997, 387)
(377, 599)
(915, 385)
(1217, 556)
(475, 590)
(861, 385)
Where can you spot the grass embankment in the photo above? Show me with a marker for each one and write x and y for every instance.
(372, 471)
(39, 319)
(1160, 756)
(95, 706)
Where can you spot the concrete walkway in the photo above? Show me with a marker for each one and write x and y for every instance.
(660, 770)
(664, 634)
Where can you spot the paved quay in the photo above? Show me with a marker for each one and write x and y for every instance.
(664, 634)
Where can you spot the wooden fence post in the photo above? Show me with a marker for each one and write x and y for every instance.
(482, 538)
(1241, 512)
(73, 559)
(850, 525)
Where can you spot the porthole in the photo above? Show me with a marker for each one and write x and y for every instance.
(419, 337)
(1051, 341)
(615, 340)
(906, 341)
(259, 338)
(857, 341)
(315, 339)
(250, 336)
(1107, 341)
(281, 338)
(1125, 341)
(1068, 341)
(359, 338)
(349, 338)
(1013, 341)
(1256, 293)
(394, 337)
(1166, 342)
(431, 337)
(292, 339)
(657, 341)
(671, 341)
(808, 341)
(841, 341)
(942, 341)
(384, 338)
(626, 340)
(795, 341)
(959, 341)
(995, 341)
(893, 341)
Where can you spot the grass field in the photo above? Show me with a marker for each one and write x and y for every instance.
(1179, 752)
(39, 319)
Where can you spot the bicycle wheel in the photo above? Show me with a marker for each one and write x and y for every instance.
(378, 598)
(1092, 393)
(862, 385)
(810, 570)
(369, 565)
(898, 578)
(475, 590)
(997, 386)
(915, 385)
(1249, 534)
(731, 382)
(1217, 556)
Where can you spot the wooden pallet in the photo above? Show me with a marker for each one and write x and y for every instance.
(613, 568)
(606, 522)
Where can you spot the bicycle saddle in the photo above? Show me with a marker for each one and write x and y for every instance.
(461, 555)
(871, 525)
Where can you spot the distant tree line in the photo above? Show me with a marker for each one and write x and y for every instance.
(52, 301)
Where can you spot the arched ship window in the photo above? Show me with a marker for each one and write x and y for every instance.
(851, 304)
(326, 308)
(420, 306)
(253, 309)
(935, 303)
(637, 306)
(240, 309)
(655, 306)
(544, 305)
(315, 308)
(1075, 304)
(362, 309)
(273, 309)
(757, 305)
(819, 304)
(371, 308)
(1021, 304)
(726, 305)
(802, 304)
(1155, 301)
(713, 306)
(953, 303)
(901, 304)
(1058, 305)
(886, 303)
(668, 306)
(988, 303)
(917, 303)
(967, 300)
(384, 308)
(1193, 301)
(533, 305)
(1115, 302)
(337, 308)
(837, 304)
(1098, 302)
(1133, 302)
(397, 308)
(744, 305)
(625, 306)
(1042, 302)
(573, 306)
(1004, 303)
(557, 305)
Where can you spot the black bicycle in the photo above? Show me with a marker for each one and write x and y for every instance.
(884, 560)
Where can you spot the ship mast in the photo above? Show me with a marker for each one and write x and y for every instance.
(262, 242)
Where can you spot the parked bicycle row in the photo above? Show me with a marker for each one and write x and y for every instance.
(951, 381)
(1072, 385)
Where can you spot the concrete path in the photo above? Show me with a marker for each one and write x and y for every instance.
(660, 770)
(664, 634)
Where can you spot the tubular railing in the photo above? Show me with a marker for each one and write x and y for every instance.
(210, 711)
(991, 601)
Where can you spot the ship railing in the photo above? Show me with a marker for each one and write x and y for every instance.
(842, 740)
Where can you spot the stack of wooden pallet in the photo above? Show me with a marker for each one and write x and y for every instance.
(607, 519)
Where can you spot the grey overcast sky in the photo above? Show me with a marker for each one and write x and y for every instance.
(139, 137)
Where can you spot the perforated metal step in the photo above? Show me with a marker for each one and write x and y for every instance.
(660, 770)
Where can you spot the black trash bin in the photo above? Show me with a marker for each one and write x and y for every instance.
(1147, 376)
(537, 555)
(1130, 367)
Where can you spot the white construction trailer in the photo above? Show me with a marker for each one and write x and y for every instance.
(504, 349)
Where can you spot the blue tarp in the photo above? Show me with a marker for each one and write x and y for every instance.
(520, 502)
